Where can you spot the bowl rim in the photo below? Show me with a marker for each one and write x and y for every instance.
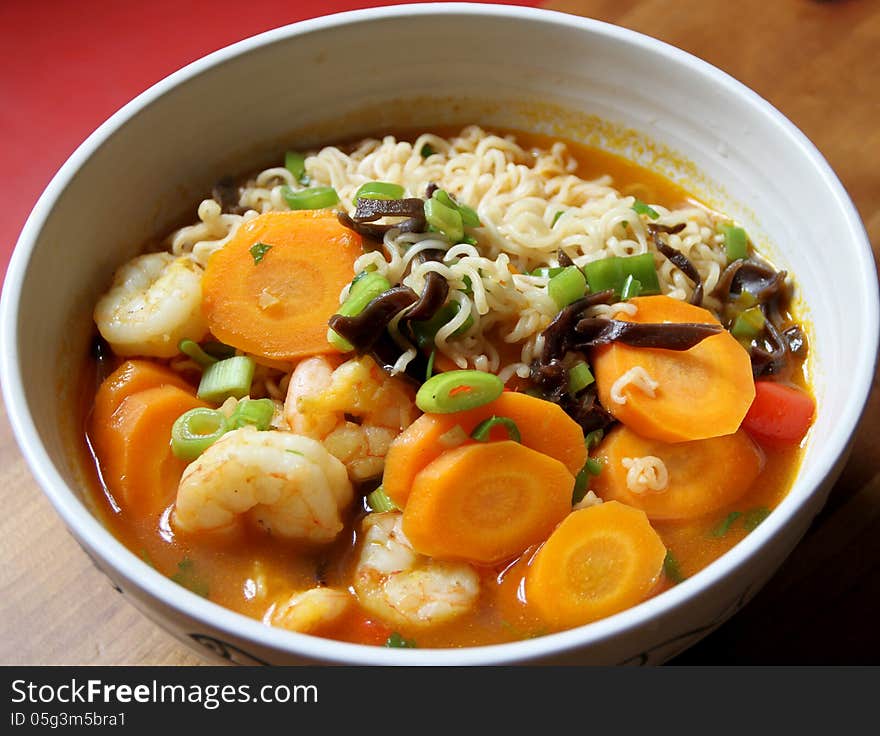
(91, 533)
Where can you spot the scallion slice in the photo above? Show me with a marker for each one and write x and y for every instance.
(194, 351)
(379, 190)
(736, 242)
(396, 641)
(253, 413)
(593, 438)
(632, 287)
(567, 286)
(444, 219)
(579, 377)
(365, 287)
(469, 216)
(379, 501)
(610, 273)
(671, 568)
(295, 163)
(429, 370)
(593, 466)
(645, 209)
(720, 529)
(749, 324)
(230, 377)
(454, 391)
(313, 198)
(483, 430)
(426, 330)
(547, 271)
(195, 431)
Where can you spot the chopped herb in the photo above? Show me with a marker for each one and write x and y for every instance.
(427, 150)
(593, 438)
(468, 286)
(644, 209)
(295, 452)
(753, 518)
(429, 371)
(724, 525)
(187, 577)
(396, 641)
(671, 568)
(258, 251)
(556, 218)
(484, 429)
(593, 466)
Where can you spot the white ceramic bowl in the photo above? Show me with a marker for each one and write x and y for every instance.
(342, 75)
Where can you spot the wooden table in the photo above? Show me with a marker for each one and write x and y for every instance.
(818, 62)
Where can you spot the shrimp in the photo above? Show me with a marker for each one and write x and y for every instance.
(154, 302)
(288, 484)
(353, 408)
(310, 610)
(398, 584)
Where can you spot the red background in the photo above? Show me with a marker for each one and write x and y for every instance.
(67, 65)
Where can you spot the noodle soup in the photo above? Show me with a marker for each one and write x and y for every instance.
(442, 390)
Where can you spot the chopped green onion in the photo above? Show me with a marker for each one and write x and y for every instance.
(671, 568)
(484, 429)
(454, 391)
(195, 431)
(253, 413)
(749, 324)
(230, 377)
(632, 287)
(720, 529)
(258, 251)
(593, 438)
(547, 271)
(363, 290)
(745, 299)
(313, 198)
(426, 330)
(644, 209)
(610, 273)
(444, 219)
(579, 377)
(427, 150)
(379, 501)
(429, 370)
(556, 217)
(218, 350)
(593, 466)
(567, 287)
(736, 242)
(468, 287)
(469, 239)
(145, 556)
(295, 163)
(187, 577)
(396, 641)
(469, 217)
(379, 190)
(194, 351)
(751, 519)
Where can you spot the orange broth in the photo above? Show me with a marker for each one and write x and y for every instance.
(230, 570)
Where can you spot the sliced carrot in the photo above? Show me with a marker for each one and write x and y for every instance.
(543, 426)
(134, 448)
(600, 560)
(702, 392)
(129, 378)
(703, 475)
(271, 289)
(486, 503)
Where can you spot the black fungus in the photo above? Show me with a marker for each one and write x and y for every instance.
(559, 334)
(373, 232)
(226, 193)
(370, 210)
(364, 330)
(679, 259)
(595, 331)
(564, 259)
(433, 297)
(551, 379)
(586, 410)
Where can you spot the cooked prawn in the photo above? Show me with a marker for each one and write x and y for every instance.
(154, 302)
(310, 610)
(353, 408)
(396, 583)
(288, 484)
